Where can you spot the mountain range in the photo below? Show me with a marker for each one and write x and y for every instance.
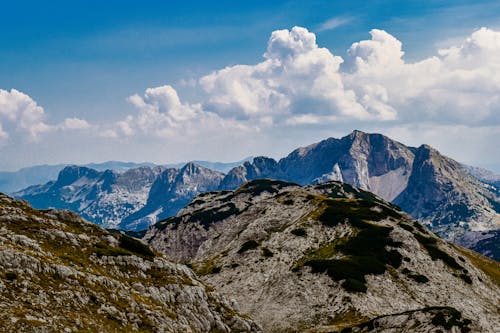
(455, 201)
(11, 181)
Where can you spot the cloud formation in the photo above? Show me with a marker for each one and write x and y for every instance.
(459, 85)
(297, 82)
(22, 117)
(302, 87)
(334, 23)
(161, 114)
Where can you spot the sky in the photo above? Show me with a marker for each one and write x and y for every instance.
(165, 81)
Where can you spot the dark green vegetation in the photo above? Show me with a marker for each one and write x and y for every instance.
(267, 253)
(365, 252)
(259, 186)
(354, 211)
(127, 246)
(445, 317)
(419, 278)
(430, 244)
(300, 232)
(205, 217)
(248, 245)
(338, 190)
(451, 317)
(136, 247)
(209, 216)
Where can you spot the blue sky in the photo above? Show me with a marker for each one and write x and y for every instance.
(84, 59)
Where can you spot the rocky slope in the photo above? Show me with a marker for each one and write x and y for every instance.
(330, 258)
(103, 197)
(60, 273)
(486, 176)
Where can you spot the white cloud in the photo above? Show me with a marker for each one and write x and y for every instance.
(74, 124)
(296, 77)
(161, 114)
(24, 119)
(22, 113)
(459, 85)
(334, 23)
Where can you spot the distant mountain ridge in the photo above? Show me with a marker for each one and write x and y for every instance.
(103, 197)
(433, 188)
(11, 181)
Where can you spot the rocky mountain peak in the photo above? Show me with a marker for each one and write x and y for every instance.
(192, 168)
(72, 173)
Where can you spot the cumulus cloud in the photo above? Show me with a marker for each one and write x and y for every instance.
(23, 113)
(299, 83)
(21, 116)
(74, 124)
(160, 113)
(297, 78)
(459, 85)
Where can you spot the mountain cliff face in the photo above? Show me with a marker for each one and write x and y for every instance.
(330, 258)
(60, 273)
(369, 161)
(261, 167)
(443, 195)
(103, 197)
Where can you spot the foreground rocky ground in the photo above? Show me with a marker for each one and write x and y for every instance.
(59, 273)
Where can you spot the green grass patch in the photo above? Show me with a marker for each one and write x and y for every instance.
(431, 246)
(406, 227)
(354, 212)
(209, 216)
(205, 217)
(451, 318)
(11, 276)
(418, 278)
